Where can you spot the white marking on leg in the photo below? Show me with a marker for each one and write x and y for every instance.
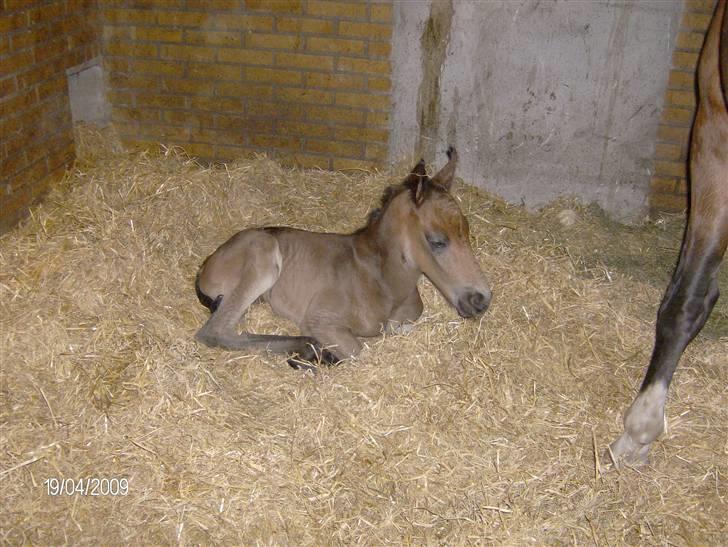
(645, 419)
(643, 423)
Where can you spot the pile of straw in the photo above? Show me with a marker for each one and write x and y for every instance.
(457, 432)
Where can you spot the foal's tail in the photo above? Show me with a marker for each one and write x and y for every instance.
(205, 300)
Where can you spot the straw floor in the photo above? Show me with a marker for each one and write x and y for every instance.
(459, 432)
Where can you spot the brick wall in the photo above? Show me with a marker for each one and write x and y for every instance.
(668, 186)
(305, 80)
(39, 40)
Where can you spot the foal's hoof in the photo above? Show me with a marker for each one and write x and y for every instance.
(298, 364)
(310, 358)
(329, 358)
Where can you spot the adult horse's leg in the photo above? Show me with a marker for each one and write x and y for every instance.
(689, 299)
(693, 290)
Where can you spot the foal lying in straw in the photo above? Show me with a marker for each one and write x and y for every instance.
(337, 287)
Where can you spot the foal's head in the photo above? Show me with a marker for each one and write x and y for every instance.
(436, 237)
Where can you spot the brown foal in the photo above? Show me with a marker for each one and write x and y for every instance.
(339, 287)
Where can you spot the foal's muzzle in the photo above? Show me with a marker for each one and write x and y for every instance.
(473, 303)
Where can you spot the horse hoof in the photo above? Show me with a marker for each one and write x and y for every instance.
(305, 366)
(626, 451)
(328, 358)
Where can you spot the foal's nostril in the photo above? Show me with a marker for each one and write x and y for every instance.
(478, 301)
(473, 303)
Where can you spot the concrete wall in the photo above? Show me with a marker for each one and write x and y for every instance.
(87, 91)
(542, 98)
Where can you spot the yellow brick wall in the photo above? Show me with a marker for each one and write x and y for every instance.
(39, 40)
(307, 81)
(668, 186)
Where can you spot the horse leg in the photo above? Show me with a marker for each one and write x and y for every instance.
(688, 301)
(256, 268)
(693, 290)
(684, 310)
(402, 318)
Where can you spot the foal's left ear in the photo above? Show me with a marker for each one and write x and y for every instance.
(447, 174)
(419, 171)
(418, 182)
(422, 190)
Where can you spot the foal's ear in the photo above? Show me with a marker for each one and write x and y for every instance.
(422, 190)
(418, 183)
(447, 174)
(418, 170)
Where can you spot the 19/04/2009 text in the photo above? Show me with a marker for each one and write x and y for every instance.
(89, 486)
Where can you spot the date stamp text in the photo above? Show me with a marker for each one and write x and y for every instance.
(89, 486)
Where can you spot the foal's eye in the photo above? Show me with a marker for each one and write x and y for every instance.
(437, 242)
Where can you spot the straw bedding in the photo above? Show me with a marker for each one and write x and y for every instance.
(486, 431)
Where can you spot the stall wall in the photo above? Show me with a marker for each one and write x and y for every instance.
(39, 41)
(307, 81)
(668, 185)
(543, 99)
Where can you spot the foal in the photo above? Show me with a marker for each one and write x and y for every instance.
(338, 287)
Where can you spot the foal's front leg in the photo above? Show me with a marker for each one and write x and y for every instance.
(409, 311)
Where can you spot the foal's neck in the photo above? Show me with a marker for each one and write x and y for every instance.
(383, 241)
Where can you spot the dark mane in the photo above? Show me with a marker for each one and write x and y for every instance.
(390, 192)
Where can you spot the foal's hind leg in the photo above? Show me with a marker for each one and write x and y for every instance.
(244, 269)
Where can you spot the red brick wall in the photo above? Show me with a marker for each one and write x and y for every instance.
(668, 186)
(39, 40)
(306, 80)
